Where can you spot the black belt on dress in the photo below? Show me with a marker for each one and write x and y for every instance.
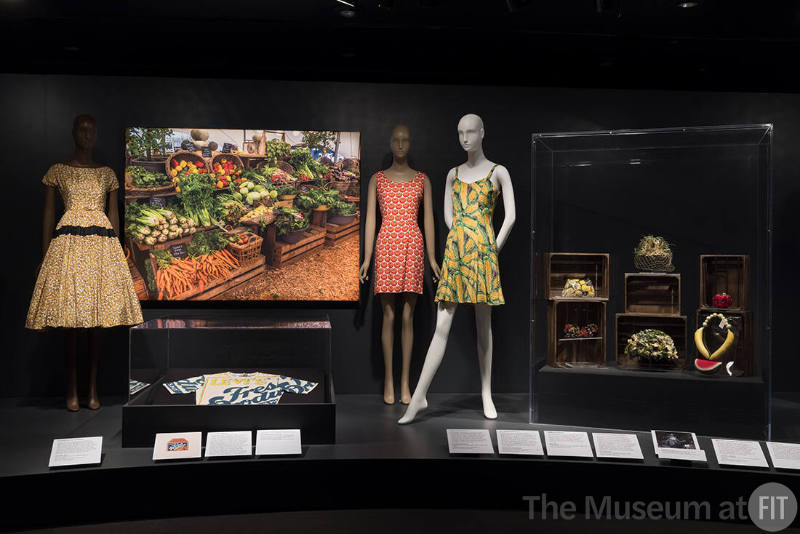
(85, 230)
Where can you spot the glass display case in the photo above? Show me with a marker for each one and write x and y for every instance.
(651, 268)
(238, 372)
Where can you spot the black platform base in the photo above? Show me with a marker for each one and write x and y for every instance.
(640, 400)
(155, 411)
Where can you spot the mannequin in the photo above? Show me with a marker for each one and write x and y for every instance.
(461, 181)
(82, 252)
(398, 256)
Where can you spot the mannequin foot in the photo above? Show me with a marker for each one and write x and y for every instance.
(72, 403)
(94, 402)
(405, 394)
(489, 411)
(388, 392)
(414, 407)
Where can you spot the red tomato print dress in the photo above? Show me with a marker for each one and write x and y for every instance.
(399, 252)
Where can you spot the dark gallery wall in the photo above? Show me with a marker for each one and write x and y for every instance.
(37, 113)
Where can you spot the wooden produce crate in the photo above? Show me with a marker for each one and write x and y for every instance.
(653, 293)
(741, 353)
(336, 232)
(561, 266)
(727, 273)
(576, 352)
(672, 325)
(249, 253)
(278, 252)
(139, 284)
(185, 240)
(215, 287)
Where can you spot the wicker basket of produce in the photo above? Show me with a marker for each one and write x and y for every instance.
(342, 187)
(184, 155)
(262, 215)
(286, 167)
(245, 247)
(227, 164)
(141, 180)
(350, 164)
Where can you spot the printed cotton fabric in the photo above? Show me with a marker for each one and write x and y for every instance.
(239, 388)
(470, 270)
(84, 281)
(399, 252)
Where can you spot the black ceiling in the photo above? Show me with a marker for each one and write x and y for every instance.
(716, 44)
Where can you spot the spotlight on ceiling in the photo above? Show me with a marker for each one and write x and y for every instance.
(347, 13)
(688, 5)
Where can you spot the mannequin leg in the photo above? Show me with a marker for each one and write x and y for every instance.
(94, 360)
(387, 342)
(483, 324)
(71, 369)
(407, 343)
(444, 319)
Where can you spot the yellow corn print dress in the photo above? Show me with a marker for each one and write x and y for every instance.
(470, 272)
(84, 281)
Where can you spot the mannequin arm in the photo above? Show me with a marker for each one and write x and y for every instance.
(430, 231)
(49, 218)
(504, 179)
(369, 229)
(113, 210)
(448, 198)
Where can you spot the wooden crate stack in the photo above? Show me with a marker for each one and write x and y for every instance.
(652, 300)
(579, 311)
(729, 273)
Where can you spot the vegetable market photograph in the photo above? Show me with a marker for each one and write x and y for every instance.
(258, 215)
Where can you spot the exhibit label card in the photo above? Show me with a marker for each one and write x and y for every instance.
(784, 455)
(178, 446)
(239, 443)
(274, 442)
(469, 441)
(76, 451)
(574, 444)
(612, 445)
(739, 452)
(527, 442)
(677, 445)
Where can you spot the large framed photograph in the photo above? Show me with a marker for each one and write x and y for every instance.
(243, 215)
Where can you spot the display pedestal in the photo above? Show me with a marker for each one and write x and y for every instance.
(634, 400)
(168, 349)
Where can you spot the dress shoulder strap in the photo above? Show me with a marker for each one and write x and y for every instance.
(492, 170)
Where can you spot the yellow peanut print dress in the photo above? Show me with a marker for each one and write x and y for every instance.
(470, 272)
(84, 281)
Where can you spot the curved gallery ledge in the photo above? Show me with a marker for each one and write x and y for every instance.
(375, 463)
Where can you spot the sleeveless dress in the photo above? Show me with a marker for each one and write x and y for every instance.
(84, 281)
(399, 254)
(470, 272)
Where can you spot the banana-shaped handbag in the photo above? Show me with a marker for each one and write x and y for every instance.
(701, 346)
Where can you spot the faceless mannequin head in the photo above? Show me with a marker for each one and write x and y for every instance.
(84, 132)
(401, 142)
(470, 132)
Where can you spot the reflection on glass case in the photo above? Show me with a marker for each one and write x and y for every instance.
(239, 372)
(668, 327)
